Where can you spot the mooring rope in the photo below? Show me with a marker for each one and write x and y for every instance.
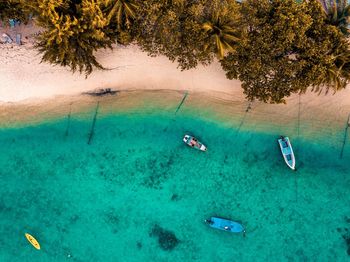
(345, 137)
(68, 120)
(93, 124)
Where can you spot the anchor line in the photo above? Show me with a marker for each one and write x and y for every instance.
(68, 120)
(345, 137)
(181, 103)
(93, 124)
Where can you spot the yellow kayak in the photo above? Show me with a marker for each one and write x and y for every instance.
(33, 241)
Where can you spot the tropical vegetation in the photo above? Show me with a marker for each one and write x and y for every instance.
(338, 13)
(274, 47)
(287, 48)
(189, 32)
(74, 30)
(12, 9)
(122, 13)
(222, 28)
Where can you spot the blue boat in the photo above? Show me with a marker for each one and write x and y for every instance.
(287, 151)
(225, 225)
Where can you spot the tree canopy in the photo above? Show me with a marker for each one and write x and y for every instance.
(287, 47)
(121, 15)
(274, 47)
(222, 28)
(338, 13)
(12, 9)
(73, 31)
(189, 32)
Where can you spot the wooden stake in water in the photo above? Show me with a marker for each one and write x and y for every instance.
(249, 107)
(182, 101)
(177, 109)
(299, 115)
(345, 137)
(93, 124)
(298, 129)
(68, 121)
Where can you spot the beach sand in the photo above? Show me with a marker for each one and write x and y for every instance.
(32, 90)
(22, 76)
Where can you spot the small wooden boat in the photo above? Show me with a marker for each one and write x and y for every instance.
(287, 151)
(33, 241)
(193, 142)
(225, 225)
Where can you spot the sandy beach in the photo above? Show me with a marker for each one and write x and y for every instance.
(26, 81)
(23, 77)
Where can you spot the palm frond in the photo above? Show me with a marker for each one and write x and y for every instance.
(222, 34)
(338, 13)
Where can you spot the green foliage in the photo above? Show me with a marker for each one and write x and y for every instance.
(121, 14)
(222, 28)
(73, 31)
(168, 28)
(326, 53)
(338, 14)
(123, 11)
(265, 59)
(12, 9)
(286, 48)
(181, 30)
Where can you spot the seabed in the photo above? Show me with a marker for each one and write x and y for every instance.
(116, 182)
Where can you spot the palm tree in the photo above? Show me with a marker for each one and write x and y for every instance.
(123, 11)
(221, 34)
(340, 71)
(72, 40)
(337, 71)
(12, 9)
(338, 14)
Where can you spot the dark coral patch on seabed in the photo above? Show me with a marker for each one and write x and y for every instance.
(166, 239)
(346, 235)
(347, 241)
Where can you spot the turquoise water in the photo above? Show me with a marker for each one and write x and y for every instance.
(105, 201)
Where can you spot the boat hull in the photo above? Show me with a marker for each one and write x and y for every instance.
(32, 241)
(225, 225)
(287, 151)
(199, 146)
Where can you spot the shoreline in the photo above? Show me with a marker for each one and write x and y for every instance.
(31, 90)
(311, 121)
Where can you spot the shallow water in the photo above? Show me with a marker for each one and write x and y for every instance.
(102, 202)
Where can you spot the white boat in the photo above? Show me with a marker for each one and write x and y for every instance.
(287, 151)
(193, 142)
